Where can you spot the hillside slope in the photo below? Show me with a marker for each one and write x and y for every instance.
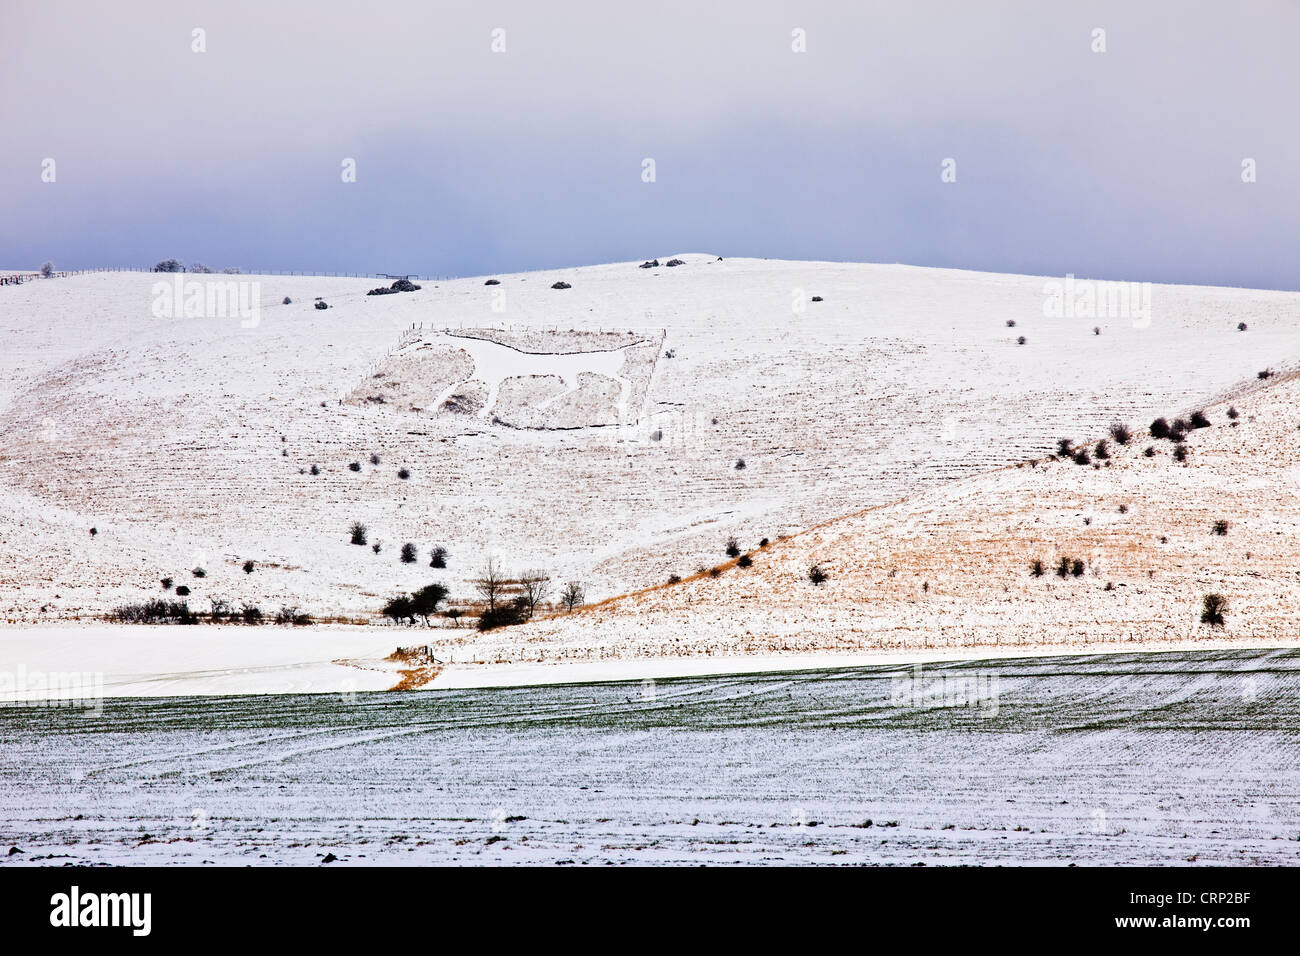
(952, 566)
(191, 443)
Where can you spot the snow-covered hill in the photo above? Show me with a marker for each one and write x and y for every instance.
(190, 442)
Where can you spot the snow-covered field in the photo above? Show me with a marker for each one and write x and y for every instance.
(1178, 758)
(878, 427)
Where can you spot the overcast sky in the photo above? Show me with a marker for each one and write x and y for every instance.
(1125, 164)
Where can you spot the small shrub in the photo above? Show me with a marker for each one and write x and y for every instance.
(503, 615)
(322, 304)
(1081, 457)
(715, 572)
(315, 469)
(1241, 326)
(1219, 527)
(1063, 567)
(733, 548)
(1011, 323)
(47, 269)
(1063, 447)
(1077, 567)
(357, 533)
(1267, 373)
(408, 553)
(1213, 609)
(817, 575)
(354, 466)
(763, 543)
(1199, 420)
(740, 464)
(438, 558)
(674, 579)
(745, 561)
(169, 265)
(199, 573)
(1120, 432)
(403, 474)
(249, 567)
(93, 532)
(167, 584)
(376, 547)
(287, 301)
(1021, 340)
(289, 614)
(1180, 453)
(1123, 509)
(1160, 428)
(1233, 413)
(155, 611)
(1036, 568)
(182, 590)
(1096, 330)
(1149, 451)
(251, 613)
(1103, 450)
(374, 459)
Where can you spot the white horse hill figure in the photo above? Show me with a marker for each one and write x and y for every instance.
(494, 363)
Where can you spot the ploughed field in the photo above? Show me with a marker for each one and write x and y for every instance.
(1148, 758)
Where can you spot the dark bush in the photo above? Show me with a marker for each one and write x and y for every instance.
(1213, 609)
(817, 575)
(357, 533)
(1241, 326)
(403, 474)
(199, 573)
(400, 609)
(1219, 527)
(315, 469)
(1233, 413)
(1081, 457)
(745, 561)
(438, 558)
(1180, 453)
(167, 584)
(1077, 567)
(1103, 450)
(322, 304)
(674, 579)
(1096, 330)
(408, 553)
(374, 459)
(503, 615)
(425, 601)
(287, 301)
(492, 282)
(1198, 420)
(376, 547)
(1021, 340)
(251, 613)
(1267, 373)
(733, 548)
(169, 265)
(1149, 451)
(249, 567)
(1160, 428)
(1063, 447)
(740, 464)
(155, 611)
(1063, 567)
(1036, 568)
(182, 590)
(291, 615)
(557, 285)
(1120, 432)
(715, 572)
(1011, 323)
(354, 466)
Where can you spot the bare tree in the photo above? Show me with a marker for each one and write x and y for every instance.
(491, 584)
(536, 585)
(572, 595)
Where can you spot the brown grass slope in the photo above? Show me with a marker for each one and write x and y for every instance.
(952, 567)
